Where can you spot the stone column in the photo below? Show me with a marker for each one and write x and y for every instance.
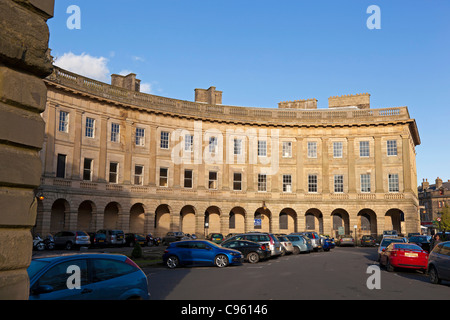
(24, 62)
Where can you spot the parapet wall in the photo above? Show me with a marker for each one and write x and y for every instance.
(360, 100)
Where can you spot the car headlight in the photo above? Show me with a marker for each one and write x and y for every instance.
(235, 254)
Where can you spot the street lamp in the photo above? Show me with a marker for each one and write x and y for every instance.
(356, 237)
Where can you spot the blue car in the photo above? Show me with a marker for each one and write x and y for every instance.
(87, 277)
(200, 252)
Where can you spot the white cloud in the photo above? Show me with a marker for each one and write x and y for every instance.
(85, 64)
(146, 87)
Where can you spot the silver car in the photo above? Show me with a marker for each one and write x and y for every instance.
(71, 239)
(314, 237)
(300, 243)
(286, 245)
(387, 240)
(439, 263)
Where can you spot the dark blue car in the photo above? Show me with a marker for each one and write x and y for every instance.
(200, 252)
(87, 277)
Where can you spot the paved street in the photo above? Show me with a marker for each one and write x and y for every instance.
(338, 274)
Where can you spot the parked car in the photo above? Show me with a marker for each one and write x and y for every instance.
(253, 252)
(113, 237)
(315, 239)
(286, 245)
(404, 255)
(387, 241)
(172, 237)
(97, 239)
(439, 263)
(300, 243)
(368, 241)
(71, 239)
(421, 241)
(103, 277)
(390, 233)
(215, 237)
(132, 238)
(345, 240)
(268, 239)
(329, 241)
(200, 252)
(326, 243)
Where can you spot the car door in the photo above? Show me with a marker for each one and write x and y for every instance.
(111, 278)
(444, 261)
(63, 279)
(202, 253)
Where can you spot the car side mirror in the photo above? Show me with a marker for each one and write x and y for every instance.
(42, 289)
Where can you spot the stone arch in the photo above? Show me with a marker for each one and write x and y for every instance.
(265, 216)
(314, 220)
(340, 218)
(236, 221)
(394, 218)
(85, 220)
(367, 222)
(187, 219)
(162, 223)
(212, 217)
(59, 213)
(111, 215)
(137, 218)
(288, 221)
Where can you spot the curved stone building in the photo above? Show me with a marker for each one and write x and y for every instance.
(117, 158)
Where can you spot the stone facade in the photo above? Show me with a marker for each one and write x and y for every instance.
(24, 61)
(433, 198)
(117, 158)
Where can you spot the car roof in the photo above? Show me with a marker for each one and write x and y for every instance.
(73, 256)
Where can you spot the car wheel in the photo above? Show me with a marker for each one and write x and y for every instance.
(296, 250)
(434, 277)
(172, 262)
(69, 245)
(221, 261)
(253, 257)
(389, 266)
(40, 246)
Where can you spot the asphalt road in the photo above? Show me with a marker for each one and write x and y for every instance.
(338, 274)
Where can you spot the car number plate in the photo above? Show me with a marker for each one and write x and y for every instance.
(411, 254)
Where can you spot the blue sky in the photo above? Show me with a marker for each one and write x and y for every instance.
(262, 52)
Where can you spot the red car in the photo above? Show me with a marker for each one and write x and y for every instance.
(404, 255)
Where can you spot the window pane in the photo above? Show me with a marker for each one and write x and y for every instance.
(312, 183)
(163, 177)
(262, 148)
(287, 149)
(57, 276)
(138, 174)
(113, 172)
(115, 129)
(164, 140)
(87, 169)
(338, 183)
(262, 182)
(237, 181)
(312, 149)
(337, 149)
(365, 183)
(63, 125)
(287, 183)
(364, 149)
(392, 147)
(89, 131)
(61, 166)
(188, 178)
(393, 182)
(140, 133)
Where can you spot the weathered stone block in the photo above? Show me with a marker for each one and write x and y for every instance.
(18, 88)
(24, 38)
(19, 208)
(14, 285)
(20, 126)
(19, 167)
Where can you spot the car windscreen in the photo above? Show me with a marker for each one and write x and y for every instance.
(387, 242)
(35, 267)
(294, 238)
(406, 246)
(283, 239)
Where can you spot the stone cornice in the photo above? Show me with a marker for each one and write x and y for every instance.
(79, 85)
